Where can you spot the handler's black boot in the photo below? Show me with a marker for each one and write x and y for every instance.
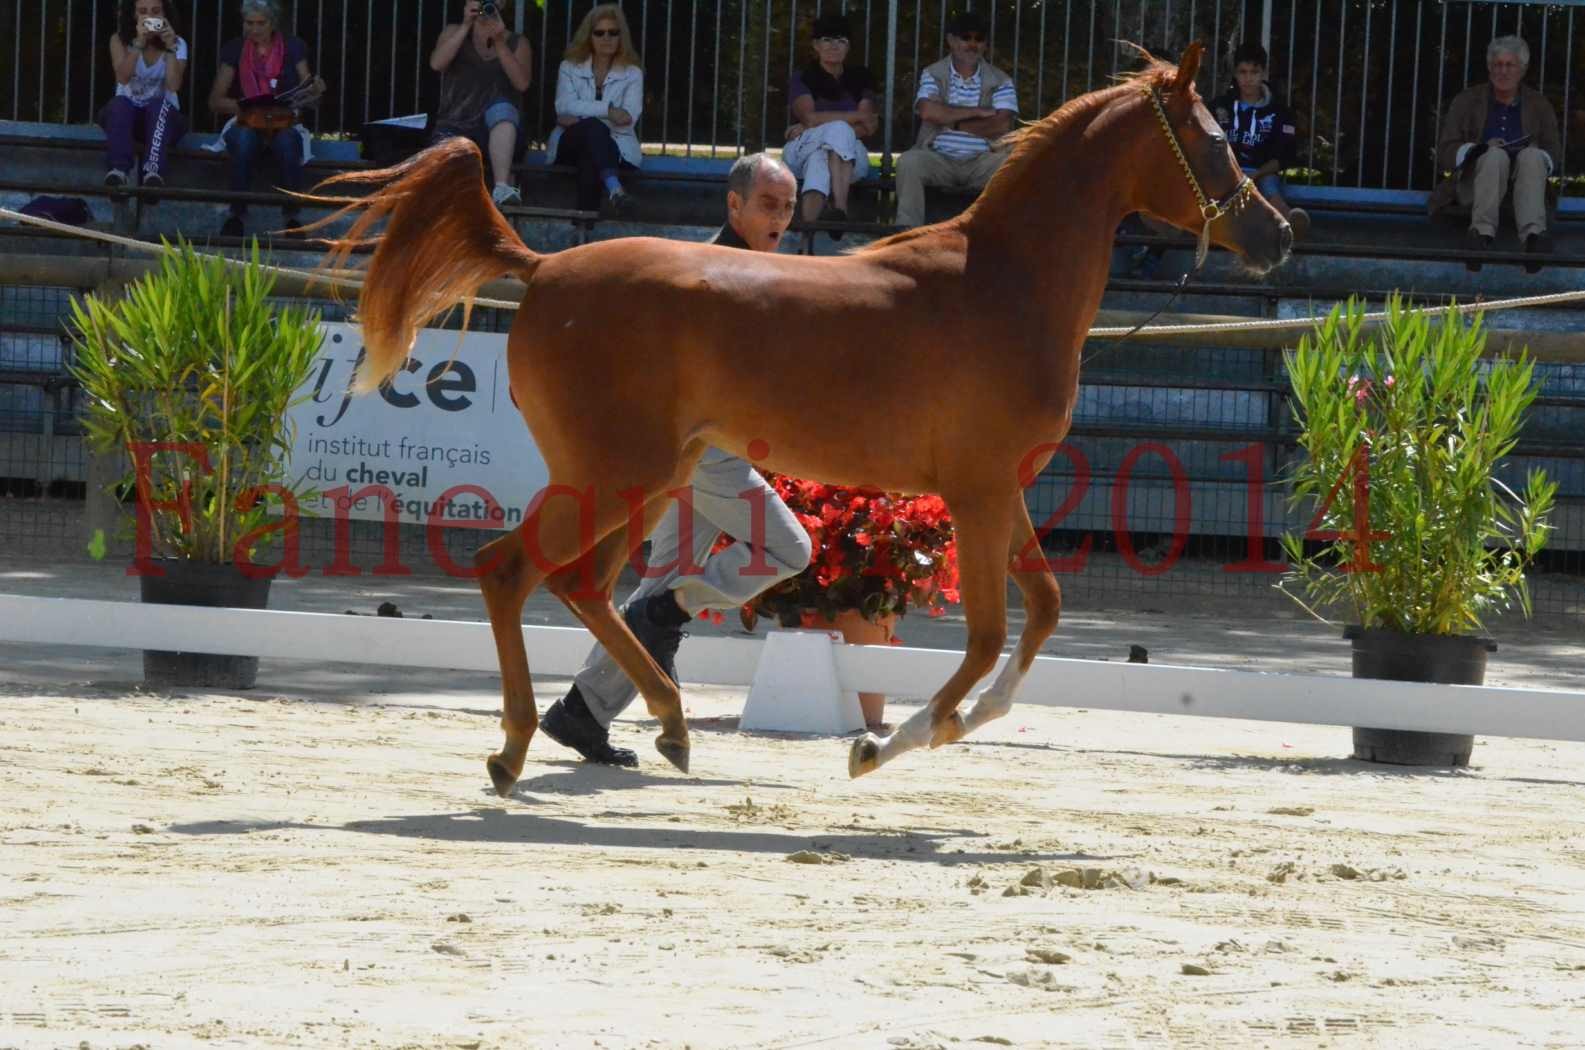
(569, 723)
(657, 624)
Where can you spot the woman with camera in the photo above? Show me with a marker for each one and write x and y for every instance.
(484, 70)
(150, 58)
(256, 69)
(599, 97)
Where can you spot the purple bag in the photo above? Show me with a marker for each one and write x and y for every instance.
(70, 210)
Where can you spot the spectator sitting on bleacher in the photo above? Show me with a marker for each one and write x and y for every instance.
(1499, 135)
(599, 97)
(484, 70)
(1261, 131)
(261, 63)
(964, 104)
(761, 194)
(149, 58)
(833, 108)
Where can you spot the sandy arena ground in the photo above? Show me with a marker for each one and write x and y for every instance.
(320, 864)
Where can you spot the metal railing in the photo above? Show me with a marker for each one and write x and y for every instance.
(1369, 79)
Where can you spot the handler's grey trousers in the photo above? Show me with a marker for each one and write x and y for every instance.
(718, 483)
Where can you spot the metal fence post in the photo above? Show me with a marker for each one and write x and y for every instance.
(891, 83)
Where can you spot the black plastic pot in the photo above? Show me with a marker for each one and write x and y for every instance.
(1398, 657)
(213, 586)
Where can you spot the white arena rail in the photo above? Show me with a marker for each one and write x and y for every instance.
(1097, 685)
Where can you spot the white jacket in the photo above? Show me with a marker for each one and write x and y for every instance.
(624, 89)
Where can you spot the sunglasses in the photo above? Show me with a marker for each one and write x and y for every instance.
(971, 38)
(605, 32)
(832, 40)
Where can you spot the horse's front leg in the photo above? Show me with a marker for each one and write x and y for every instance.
(983, 531)
(1042, 609)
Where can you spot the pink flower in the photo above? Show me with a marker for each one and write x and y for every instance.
(1391, 382)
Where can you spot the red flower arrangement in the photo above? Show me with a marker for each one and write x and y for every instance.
(876, 552)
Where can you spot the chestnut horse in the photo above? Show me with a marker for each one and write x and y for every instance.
(958, 342)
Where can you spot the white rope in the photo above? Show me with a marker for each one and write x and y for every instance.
(1111, 332)
(1299, 323)
(329, 280)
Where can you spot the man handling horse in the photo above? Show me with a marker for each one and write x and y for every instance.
(724, 495)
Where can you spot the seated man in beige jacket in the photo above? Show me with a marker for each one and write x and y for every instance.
(964, 104)
(1499, 137)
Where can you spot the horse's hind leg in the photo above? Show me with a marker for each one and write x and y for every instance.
(506, 578)
(592, 606)
(984, 529)
(564, 529)
(1042, 609)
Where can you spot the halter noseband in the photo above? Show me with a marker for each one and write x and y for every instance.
(1210, 210)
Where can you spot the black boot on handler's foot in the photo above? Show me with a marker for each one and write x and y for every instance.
(569, 723)
(657, 623)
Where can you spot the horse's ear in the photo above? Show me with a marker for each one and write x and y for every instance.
(1188, 68)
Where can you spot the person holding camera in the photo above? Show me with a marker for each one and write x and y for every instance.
(149, 57)
(258, 67)
(599, 98)
(484, 70)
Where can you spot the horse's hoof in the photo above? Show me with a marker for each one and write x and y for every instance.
(500, 776)
(864, 756)
(673, 752)
(949, 730)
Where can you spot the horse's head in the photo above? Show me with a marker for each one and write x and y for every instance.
(1189, 177)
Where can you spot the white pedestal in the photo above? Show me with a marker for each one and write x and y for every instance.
(796, 689)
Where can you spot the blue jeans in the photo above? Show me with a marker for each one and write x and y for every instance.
(502, 112)
(589, 147)
(1268, 185)
(245, 144)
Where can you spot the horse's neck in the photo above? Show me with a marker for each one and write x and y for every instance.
(1059, 205)
(1052, 215)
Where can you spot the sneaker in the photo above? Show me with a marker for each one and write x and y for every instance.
(1475, 241)
(619, 205)
(657, 624)
(153, 179)
(1536, 244)
(232, 227)
(503, 195)
(115, 177)
(1299, 220)
(569, 723)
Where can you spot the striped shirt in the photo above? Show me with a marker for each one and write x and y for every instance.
(965, 92)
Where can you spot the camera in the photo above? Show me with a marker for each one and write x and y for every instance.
(154, 26)
(489, 9)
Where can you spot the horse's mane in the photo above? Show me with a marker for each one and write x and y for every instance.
(1022, 143)
(1158, 75)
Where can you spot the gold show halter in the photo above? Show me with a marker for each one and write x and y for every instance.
(1210, 210)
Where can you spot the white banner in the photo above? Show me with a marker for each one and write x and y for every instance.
(446, 420)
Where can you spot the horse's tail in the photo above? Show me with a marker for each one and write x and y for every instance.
(443, 239)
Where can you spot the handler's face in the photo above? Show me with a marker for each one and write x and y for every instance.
(764, 217)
